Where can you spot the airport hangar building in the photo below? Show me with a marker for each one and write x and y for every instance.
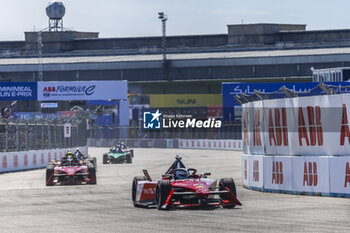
(195, 64)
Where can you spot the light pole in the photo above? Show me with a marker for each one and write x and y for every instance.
(40, 56)
(163, 18)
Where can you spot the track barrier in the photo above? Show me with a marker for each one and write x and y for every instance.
(171, 143)
(33, 159)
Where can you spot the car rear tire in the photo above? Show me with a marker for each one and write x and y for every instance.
(128, 158)
(230, 184)
(93, 161)
(162, 192)
(132, 153)
(49, 175)
(134, 189)
(92, 173)
(104, 159)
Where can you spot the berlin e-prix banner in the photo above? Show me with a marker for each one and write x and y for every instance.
(61, 91)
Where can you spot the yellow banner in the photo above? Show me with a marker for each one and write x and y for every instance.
(184, 100)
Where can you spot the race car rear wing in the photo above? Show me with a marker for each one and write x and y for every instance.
(146, 174)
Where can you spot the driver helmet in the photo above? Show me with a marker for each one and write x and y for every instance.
(70, 160)
(181, 175)
(77, 153)
(69, 153)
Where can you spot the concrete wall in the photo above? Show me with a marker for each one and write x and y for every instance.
(11, 46)
(314, 36)
(150, 43)
(60, 41)
(259, 33)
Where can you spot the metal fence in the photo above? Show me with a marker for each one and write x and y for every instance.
(227, 131)
(21, 135)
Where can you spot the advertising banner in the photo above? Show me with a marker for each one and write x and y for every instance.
(278, 116)
(245, 170)
(48, 105)
(278, 173)
(84, 90)
(229, 90)
(18, 91)
(311, 174)
(305, 126)
(247, 126)
(256, 128)
(342, 147)
(184, 100)
(340, 174)
(256, 171)
(67, 130)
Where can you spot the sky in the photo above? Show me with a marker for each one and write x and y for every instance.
(134, 18)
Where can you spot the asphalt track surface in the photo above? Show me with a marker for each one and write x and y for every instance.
(27, 205)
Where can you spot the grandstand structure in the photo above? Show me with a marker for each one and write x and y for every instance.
(196, 63)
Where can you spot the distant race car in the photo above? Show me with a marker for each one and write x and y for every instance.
(182, 187)
(85, 158)
(119, 154)
(70, 171)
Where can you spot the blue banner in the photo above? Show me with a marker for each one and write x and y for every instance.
(10, 91)
(229, 90)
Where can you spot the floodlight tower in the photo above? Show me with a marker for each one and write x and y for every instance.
(163, 18)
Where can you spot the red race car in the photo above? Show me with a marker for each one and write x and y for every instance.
(70, 172)
(183, 187)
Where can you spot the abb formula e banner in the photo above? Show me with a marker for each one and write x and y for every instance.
(317, 175)
(315, 125)
(47, 91)
(84, 90)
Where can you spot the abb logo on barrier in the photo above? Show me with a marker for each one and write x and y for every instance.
(256, 170)
(315, 126)
(257, 128)
(344, 130)
(42, 158)
(245, 169)
(25, 160)
(34, 159)
(15, 161)
(347, 175)
(4, 162)
(277, 172)
(278, 128)
(245, 128)
(310, 174)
